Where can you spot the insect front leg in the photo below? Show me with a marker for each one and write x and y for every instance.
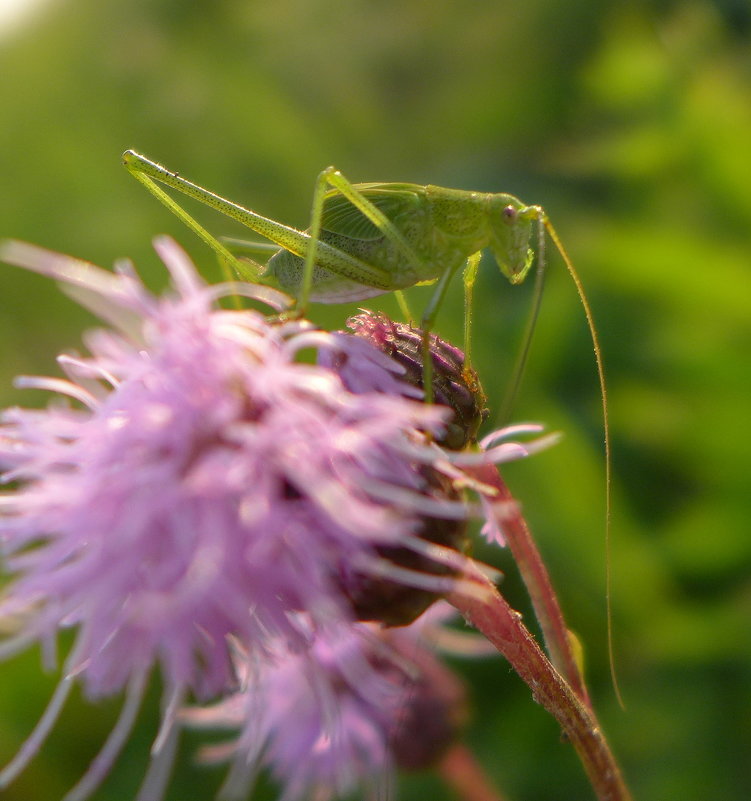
(529, 329)
(427, 323)
(470, 276)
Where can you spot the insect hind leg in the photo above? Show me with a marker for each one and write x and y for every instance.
(147, 173)
(332, 178)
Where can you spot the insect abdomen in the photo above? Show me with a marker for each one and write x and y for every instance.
(327, 286)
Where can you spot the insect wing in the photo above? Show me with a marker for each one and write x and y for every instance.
(393, 200)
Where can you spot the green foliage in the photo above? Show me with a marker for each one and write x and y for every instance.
(630, 124)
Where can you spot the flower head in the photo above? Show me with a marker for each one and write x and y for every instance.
(339, 716)
(210, 486)
(194, 480)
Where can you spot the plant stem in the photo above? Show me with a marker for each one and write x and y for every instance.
(503, 627)
(460, 770)
(537, 581)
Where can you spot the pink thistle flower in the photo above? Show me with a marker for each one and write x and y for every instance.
(202, 484)
(341, 715)
(194, 482)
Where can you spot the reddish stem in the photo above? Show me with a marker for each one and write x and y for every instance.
(537, 581)
(491, 615)
(460, 770)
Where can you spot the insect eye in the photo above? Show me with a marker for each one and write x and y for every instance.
(509, 214)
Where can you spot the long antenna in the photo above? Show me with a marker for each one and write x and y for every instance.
(606, 428)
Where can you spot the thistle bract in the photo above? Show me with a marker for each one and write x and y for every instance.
(455, 384)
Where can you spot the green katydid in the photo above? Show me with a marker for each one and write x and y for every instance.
(367, 239)
(371, 238)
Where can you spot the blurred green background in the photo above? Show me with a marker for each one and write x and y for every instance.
(631, 124)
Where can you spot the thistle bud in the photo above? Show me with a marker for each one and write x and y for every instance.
(386, 599)
(396, 603)
(434, 714)
(455, 384)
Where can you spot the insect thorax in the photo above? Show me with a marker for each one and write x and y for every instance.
(459, 220)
